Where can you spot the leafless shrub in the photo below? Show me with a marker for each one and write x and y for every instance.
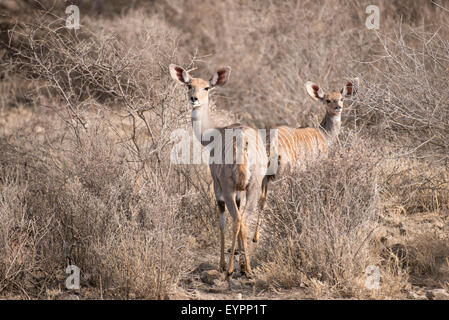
(320, 222)
(96, 192)
(406, 102)
(82, 206)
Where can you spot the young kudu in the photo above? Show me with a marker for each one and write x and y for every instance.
(244, 173)
(297, 146)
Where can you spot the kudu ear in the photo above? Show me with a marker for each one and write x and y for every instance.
(314, 91)
(179, 74)
(350, 88)
(220, 77)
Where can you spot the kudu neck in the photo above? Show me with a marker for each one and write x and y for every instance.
(201, 121)
(331, 125)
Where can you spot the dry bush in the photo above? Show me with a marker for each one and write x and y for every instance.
(81, 206)
(406, 101)
(324, 224)
(320, 222)
(96, 182)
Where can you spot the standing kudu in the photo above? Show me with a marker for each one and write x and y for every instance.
(245, 173)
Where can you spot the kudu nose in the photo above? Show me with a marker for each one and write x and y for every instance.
(193, 99)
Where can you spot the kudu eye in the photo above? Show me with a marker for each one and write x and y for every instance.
(328, 101)
(189, 86)
(207, 88)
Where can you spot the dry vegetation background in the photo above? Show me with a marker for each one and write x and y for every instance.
(85, 124)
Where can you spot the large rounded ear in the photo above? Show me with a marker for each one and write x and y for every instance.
(220, 77)
(350, 88)
(179, 74)
(314, 90)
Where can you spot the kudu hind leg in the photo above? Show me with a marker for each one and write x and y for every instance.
(252, 197)
(262, 200)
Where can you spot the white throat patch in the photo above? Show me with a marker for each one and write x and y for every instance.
(196, 113)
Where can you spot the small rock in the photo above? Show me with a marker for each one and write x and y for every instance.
(261, 284)
(210, 276)
(414, 295)
(234, 284)
(437, 294)
(205, 266)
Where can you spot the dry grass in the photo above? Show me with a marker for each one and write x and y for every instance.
(86, 119)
